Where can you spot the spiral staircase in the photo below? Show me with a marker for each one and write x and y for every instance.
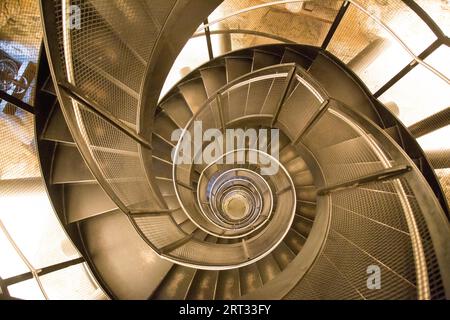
(353, 189)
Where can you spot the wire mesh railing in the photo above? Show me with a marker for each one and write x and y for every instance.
(362, 211)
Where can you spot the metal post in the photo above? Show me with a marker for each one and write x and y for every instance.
(335, 24)
(382, 175)
(208, 39)
(16, 101)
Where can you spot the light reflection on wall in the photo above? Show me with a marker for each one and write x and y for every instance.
(193, 54)
(31, 238)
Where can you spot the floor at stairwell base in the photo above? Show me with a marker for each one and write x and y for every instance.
(226, 309)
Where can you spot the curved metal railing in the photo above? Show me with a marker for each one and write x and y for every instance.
(355, 4)
(402, 191)
(215, 107)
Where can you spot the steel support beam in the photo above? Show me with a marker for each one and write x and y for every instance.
(430, 124)
(426, 18)
(153, 213)
(4, 290)
(172, 246)
(383, 175)
(289, 82)
(16, 101)
(335, 24)
(184, 185)
(73, 93)
(208, 40)
(316, 116)
(285, 189)
(43, 271)
(407, 68)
